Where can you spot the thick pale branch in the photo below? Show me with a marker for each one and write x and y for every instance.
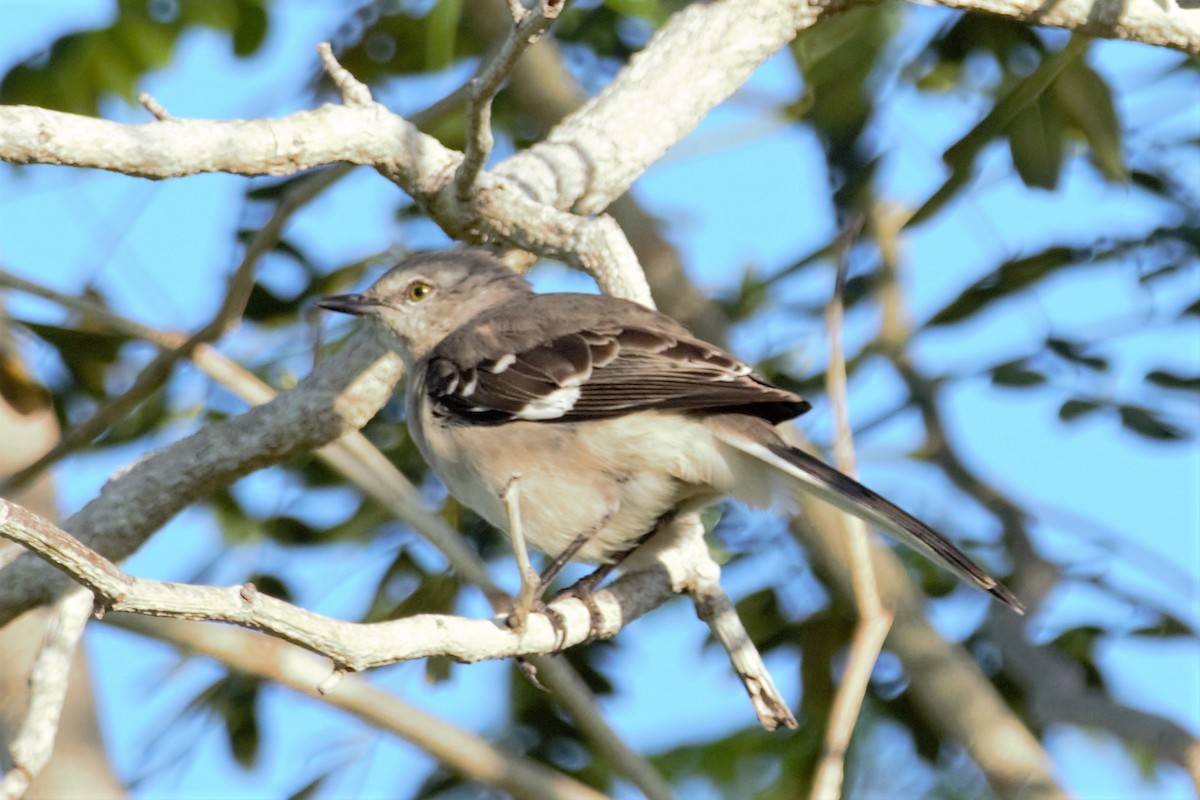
(596, 153)
(718, 612)
(355, 646)
(462, 751)
(361, 134)
(1148, 21)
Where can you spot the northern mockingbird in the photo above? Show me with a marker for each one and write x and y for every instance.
(578, 423)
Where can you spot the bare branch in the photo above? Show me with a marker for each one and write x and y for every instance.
(33, 744)
(464, 752)
(368, 135)
(527, 29)
(354, 91)
(596, 153)
(153, 106)
(718, 612)
(352, 646)
(557, 675)
(873, 620)
(1057, 691)
(1164, 23)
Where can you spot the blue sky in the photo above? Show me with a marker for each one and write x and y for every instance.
(738, 192)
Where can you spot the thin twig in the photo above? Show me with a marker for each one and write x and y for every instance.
(464, 752)
(527, 29)
(354, 92)
(33, 744)
(565, 684)
(153, 106)
(873, 620)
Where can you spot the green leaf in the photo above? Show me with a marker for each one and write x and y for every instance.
(1149, 424)
(1173, 380)
(1168, 626)
(837, 60)
(86, 354)
(309, 790)
(1086, 100)
(961, 156)
(1035, 139)
(1076, 408)
(1016, 375)
(442, 32)
(1159, 272)
(250, 30)
(1074, 352)
(234, 700)
(82, 68)
(1006, 280)
(237, 526)
(238, 709)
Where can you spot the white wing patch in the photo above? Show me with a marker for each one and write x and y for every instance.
(550, 406)
(503, 363)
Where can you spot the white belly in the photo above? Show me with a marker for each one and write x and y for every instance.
(611, 479)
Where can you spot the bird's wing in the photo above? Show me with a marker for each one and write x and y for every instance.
(579, 357)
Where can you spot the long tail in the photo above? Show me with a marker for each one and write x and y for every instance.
(840, 490)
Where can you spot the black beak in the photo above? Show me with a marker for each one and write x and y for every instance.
(356, 304)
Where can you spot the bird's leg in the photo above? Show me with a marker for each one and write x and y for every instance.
(530, 591)
(562, 559)
(585, 587)
(588, 583)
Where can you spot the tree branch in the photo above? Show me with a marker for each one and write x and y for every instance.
(33, 744)
(528, 27)
(874, 620)
(596, 153)
(461, 751)
(718, 612)
(1146, 21)
(353, 646)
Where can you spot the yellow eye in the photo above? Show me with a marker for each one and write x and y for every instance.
(417, 291)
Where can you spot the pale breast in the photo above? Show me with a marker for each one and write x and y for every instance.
(611, 479)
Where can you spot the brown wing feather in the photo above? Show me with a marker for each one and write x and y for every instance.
(497, 368)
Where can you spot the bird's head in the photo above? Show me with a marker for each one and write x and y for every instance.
(425, 297)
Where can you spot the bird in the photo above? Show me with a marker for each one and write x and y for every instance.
(579, 424)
